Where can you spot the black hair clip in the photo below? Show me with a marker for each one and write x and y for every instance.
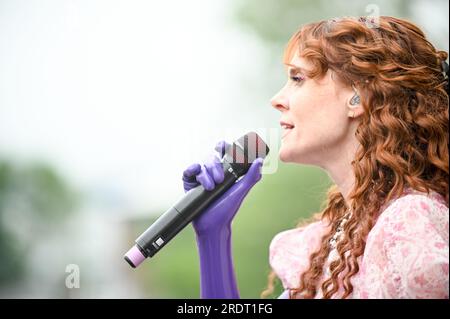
(444, 65)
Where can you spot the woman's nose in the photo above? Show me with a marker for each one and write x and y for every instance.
(280, 102)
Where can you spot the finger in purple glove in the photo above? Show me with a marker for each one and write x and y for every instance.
(215, 169)
(189, 180)
(221, 147)
(254, 172)
(205, 179)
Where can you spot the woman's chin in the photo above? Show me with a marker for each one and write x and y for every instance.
(285, 155)
(289, 147)
(291, 153)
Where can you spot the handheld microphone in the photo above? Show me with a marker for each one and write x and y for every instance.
(236, 161)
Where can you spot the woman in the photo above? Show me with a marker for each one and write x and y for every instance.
(370, 106)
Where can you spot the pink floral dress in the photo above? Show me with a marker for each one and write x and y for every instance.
(406, 253)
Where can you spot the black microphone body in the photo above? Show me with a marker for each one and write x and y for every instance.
(181, 214)
(235, 162)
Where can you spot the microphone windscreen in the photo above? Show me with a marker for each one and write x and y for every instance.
(253, 146)
(245, 150)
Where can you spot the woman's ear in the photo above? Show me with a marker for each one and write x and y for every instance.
(354, 104)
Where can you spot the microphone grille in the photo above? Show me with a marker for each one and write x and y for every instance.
(253, 146)
(245, 150)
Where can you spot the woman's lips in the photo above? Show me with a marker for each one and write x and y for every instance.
(287, 128)
(286, 131)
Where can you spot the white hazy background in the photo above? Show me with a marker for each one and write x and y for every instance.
(122, 95)
(119, 97)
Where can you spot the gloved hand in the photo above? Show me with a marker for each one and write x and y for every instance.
(219, 214)
(213, 226)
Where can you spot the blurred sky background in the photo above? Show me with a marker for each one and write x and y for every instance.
(102, 106)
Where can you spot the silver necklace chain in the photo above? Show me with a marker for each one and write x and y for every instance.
(339, 231)
(334, 255)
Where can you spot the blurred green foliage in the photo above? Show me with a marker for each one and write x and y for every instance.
(33, 198)
(278, 202)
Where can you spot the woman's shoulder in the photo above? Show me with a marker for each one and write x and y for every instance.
(406, 254)
(290, 249)
(413, 211)
(290, 238)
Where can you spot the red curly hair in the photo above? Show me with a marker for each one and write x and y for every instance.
(403, 133)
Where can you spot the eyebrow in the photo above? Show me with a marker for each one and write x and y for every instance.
(294, 68)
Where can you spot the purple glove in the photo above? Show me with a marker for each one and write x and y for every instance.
(213, 226)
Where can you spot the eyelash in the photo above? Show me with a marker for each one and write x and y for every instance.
(297, 79)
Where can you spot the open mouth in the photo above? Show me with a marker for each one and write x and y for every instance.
(287, 128)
